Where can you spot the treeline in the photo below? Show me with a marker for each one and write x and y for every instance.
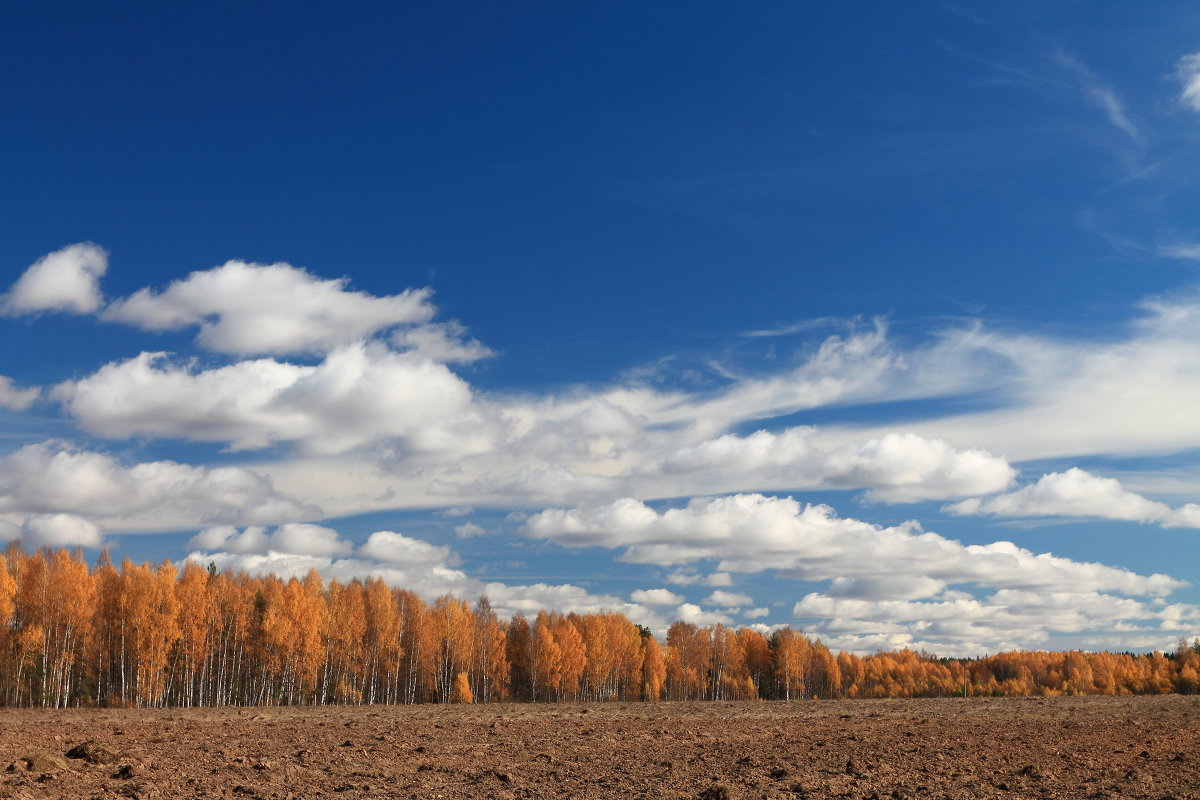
(148, 635)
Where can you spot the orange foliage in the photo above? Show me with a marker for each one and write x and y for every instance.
(160, 635)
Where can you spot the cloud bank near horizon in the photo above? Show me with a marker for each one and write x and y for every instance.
(349, 402)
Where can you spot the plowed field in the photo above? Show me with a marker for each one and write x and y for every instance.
(979, 748)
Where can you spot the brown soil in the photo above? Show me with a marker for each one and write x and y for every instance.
(1135, 747)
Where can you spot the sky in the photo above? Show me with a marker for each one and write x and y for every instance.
(881, 321)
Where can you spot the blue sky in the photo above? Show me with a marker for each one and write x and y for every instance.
(878, 320)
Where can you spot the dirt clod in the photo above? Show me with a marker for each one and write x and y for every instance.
(38, 762)
(94, 753)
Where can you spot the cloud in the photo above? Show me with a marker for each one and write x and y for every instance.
(468, 530)
(894, 467)
(887, 587)
(1078, 493)
(1188, 251)
(65, 280)
(456, 511)
(401, 562)
(757, 613)
(1133, 393)
(1099, 95)
(397, 548)
(695, 615)
(727, 599)
(245, 309)
(16, 399)
(445, 342)
(685, 578)
(957, 623)
(1188, 70)
(843, 369)
(291, 539)
(54, 477)
(655, 597)
(358, 395)
(754, 533)
(59, 530)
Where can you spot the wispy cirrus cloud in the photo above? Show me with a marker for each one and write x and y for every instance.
(1188, 71)
(1100, 95)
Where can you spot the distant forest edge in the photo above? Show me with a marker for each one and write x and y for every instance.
(146, 635)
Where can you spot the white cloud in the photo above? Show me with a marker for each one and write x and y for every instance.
(1100, 95)
(16, 399)
(1188, 71)
(887, 586)
(308, 539)
(246, 309)
(956, 623)
(53, 477)
(754, 533)
(894, 467)
(727, 599)
(757, 613)
(456, 511)
(1078, 493)
(695, 615)
(396, 548)
(842, 370)
(65, 280)
(360, 394)
(445, 342)
(405, 563)
(291, 539)
(686, 578)
(1188, 251)
(468, 530)
(655, 597)
(1132, 394)
(59, 530)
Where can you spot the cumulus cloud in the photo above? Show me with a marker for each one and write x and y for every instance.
(245, 309)
(757, 613)
(1078, 493)
(397, 548)
(468, 530)
(754, 533)
(695, 615)
(727, 599)
(65, 280)
(447, 342)
(655, 597)
(400, 561)
(686, 578)
(359, 394)
(16, 399)
(894, 467)
(291, 539)
(957, 623)
(887, 586)
(54, 477)
(1188, 71)
(59, 530)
